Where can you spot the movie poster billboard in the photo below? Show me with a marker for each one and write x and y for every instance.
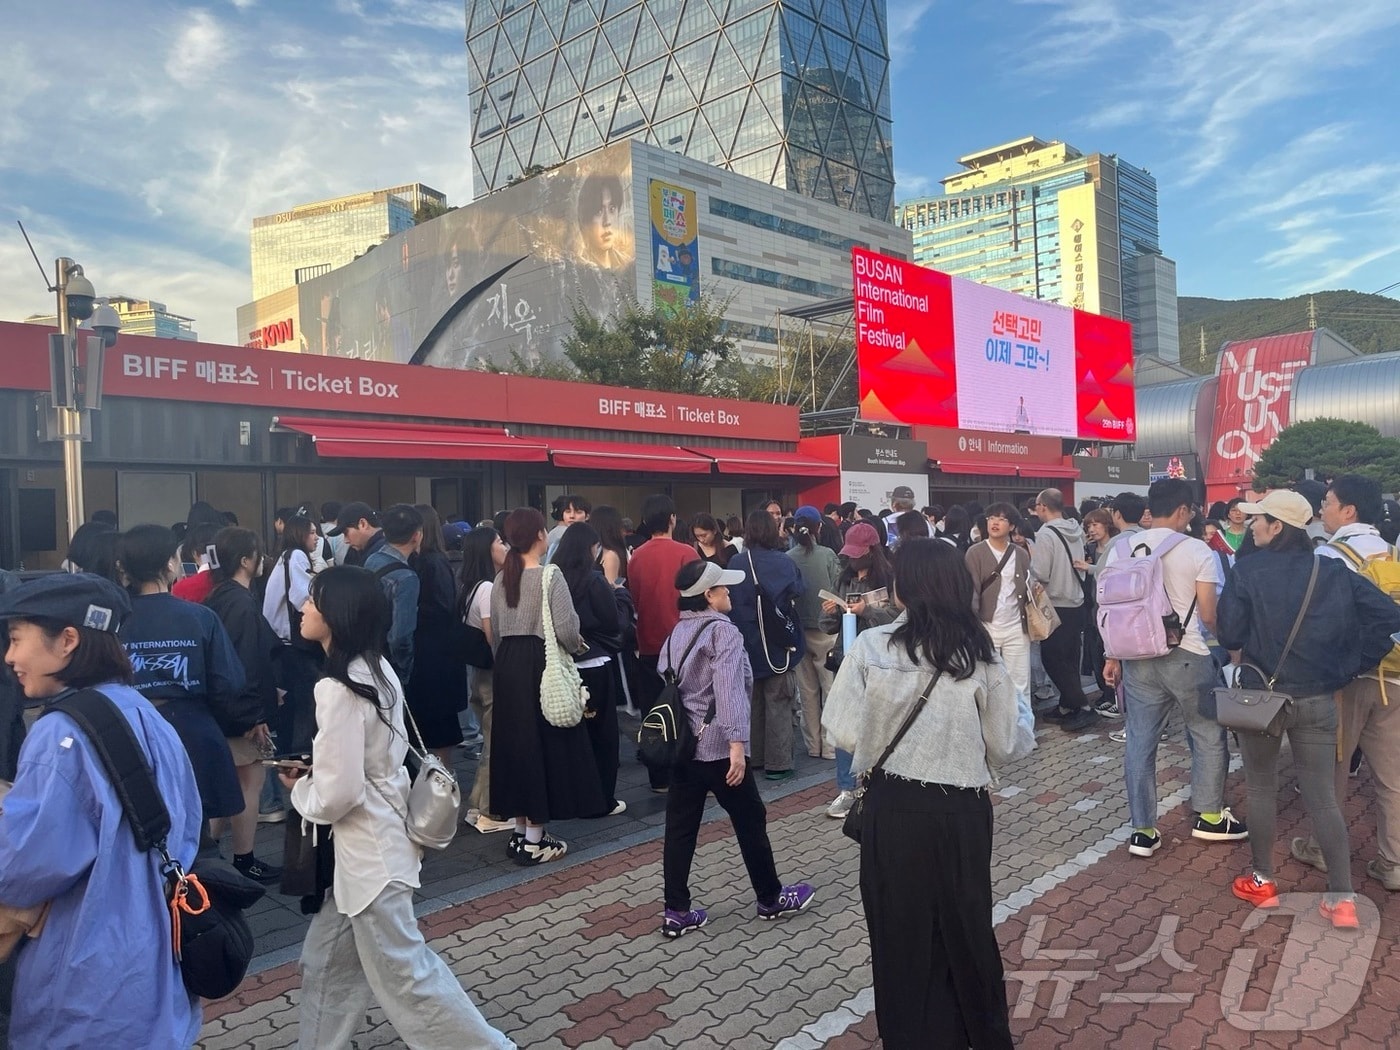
(498, 276)
(675, 256)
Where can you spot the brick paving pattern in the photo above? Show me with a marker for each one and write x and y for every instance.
(1100, 948)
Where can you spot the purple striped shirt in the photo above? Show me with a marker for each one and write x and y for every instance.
(718, 669)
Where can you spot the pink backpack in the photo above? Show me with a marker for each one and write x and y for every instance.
(1136, 619)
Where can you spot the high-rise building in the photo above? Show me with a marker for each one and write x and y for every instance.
(311, 239)
(139, 317)
(1044, 220)
(794, 93)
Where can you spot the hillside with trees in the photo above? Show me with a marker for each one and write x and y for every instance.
(1371, 323)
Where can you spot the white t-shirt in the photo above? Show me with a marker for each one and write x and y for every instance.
(1008, 612)
(1188, 563)
(1362, 539)
(481, 605)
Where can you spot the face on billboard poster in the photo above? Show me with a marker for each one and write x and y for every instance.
(500, 275)
(946, 352)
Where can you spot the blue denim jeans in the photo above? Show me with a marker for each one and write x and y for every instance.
(845, 779)
(1151, 688)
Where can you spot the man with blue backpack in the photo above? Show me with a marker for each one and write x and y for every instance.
(1156, 590)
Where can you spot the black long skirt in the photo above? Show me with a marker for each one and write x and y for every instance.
(538, 771)
(926, 884)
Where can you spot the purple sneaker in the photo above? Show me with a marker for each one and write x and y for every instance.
(793, 899)
(677, 923)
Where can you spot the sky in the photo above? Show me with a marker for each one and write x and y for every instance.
(143, 145)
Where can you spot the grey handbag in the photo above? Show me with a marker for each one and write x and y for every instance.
(434, 799)
(1261, 710)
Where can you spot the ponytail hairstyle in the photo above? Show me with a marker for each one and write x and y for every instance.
(803, 532)
(522, 531)
(357, 614)
(144, 554)
(231, 546)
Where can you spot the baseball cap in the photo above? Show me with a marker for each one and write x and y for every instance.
(713, 576)
(350, 515)
(809, 512)
(902, 492)
(453, 532)
(1291, 508)
(79, 599)
(860, 537)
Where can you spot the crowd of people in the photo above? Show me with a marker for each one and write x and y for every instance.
(912, 648)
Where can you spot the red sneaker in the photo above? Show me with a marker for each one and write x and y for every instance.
(1260, 892)
(1342, 914)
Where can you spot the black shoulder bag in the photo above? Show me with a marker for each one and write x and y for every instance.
(474, 645)
(781, 624)
(856, 817)
(213, 943)
(294, 638)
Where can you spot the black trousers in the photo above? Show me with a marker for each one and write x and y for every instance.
(926, 885)
(691, 783)
(601, 723)
(1060, 656)
(649, 686)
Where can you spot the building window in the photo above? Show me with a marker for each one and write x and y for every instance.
(773, 279)
(788, 227)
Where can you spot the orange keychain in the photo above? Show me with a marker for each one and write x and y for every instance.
(180, 903)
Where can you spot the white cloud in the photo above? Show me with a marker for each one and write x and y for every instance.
(199, 49)
(909, 185)
(902, 21)
(182, 161)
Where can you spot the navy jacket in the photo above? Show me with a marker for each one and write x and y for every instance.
(782, 584)
(1346, 631)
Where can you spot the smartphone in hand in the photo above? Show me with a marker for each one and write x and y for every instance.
(299, 762)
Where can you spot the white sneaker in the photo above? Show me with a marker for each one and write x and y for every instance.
(841, 805)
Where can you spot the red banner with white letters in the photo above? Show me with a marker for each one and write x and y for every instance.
(1253, 402)
(166, 369)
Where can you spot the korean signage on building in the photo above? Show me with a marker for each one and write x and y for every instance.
(1079, 246)
(675, 254)
(1099, 477)
(205, 372)
(942, 351)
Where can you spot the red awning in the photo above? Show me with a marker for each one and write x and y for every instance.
(374, 439)
(609, 455)
(1049, 470)
(958, 466)
(760, 461)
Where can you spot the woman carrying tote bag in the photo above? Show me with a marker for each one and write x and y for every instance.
(539, 772)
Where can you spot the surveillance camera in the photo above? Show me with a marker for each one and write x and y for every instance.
(106, 322)
(81, 297)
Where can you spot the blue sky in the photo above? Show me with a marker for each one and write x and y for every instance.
(143, 145)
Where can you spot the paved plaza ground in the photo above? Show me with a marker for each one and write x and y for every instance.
(1101, 949)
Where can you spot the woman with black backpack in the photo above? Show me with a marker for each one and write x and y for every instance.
(706, 653)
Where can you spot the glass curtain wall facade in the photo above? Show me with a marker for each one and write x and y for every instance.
(1017, 232)
(795, 94)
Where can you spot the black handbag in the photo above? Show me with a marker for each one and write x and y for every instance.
(212, 940)
(776, 623)
(855, 818)
(1261, 710)
(475, 647)
(294, 638)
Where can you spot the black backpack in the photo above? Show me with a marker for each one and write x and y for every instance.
(215, 943)
(665, 738)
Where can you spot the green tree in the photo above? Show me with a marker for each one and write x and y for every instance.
(685, 352)
(1329, 447)
(430, 210)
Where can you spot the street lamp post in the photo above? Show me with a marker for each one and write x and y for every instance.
(75, 299)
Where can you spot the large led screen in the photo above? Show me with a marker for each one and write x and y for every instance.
(942, 351)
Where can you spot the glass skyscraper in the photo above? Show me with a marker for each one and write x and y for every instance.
(792, 92)
(1044, 220)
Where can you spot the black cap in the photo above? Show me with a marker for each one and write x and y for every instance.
(902, 492)
(79, 599)
(350, 515)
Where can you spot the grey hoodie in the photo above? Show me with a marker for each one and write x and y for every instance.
(1053, 567)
